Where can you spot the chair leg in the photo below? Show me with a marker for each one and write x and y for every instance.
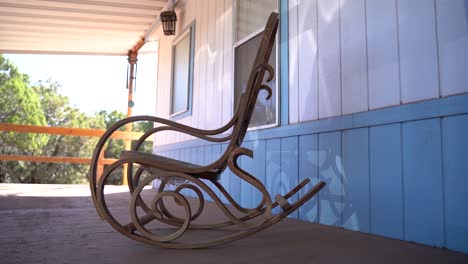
(136, 229)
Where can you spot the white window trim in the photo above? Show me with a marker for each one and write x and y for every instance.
(190, 30)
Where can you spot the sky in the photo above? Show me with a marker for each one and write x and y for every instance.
(94, 83)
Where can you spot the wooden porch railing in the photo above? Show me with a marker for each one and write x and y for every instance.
(66, 131)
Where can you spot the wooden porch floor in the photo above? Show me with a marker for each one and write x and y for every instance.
(58, 224)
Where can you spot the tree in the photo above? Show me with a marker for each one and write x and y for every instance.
(58, 112)
(41, 104)
(19, 104)
(115, 146)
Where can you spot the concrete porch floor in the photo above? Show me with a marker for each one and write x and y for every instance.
(58, 224)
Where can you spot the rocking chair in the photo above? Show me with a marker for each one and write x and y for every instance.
(176, 175)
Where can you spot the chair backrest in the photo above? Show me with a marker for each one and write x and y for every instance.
(254, 85)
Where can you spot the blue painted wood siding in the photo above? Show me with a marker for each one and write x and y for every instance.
(403, 179)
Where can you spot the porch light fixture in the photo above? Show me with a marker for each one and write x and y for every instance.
(168, 20)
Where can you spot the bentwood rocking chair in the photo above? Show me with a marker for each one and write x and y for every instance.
(176, 175)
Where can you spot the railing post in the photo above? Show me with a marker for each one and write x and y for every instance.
(132, 59)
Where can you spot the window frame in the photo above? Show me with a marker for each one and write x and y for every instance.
(190, 31)
(277, 74)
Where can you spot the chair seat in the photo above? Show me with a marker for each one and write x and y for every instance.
(158, 163)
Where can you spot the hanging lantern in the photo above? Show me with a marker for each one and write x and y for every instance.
(168, 20)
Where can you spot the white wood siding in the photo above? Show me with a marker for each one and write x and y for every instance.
(213, 59)
(382, 53)
(353, 56)
(293, 62)
(374, 54)
(308, 63)
(418, 50)
(329, 59)
(345, 56)
(227, 58)
(452, 33)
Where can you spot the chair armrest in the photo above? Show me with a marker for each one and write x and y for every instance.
(172, 124)
(169, 125)
(181, 130)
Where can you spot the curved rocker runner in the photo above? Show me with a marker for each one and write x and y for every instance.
(176, 176)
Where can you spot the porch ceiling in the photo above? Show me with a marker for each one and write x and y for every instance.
(105, 27)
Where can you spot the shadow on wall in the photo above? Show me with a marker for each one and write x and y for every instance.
(335, 204)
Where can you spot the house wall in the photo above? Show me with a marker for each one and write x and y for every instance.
(377, 108)
(212, 89)
(356, 55)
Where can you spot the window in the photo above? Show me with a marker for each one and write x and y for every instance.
(251, 18)
(182, 73)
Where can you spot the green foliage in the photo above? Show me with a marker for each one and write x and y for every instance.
(41, 104)
(20, 105)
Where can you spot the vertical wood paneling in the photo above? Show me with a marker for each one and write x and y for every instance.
(329, 69)
(356, 214)
(386, 190)
(188, 154)
(330, 168)
(224, 179)
(382, 53)
(344, 60)
(196, 65)
(273, 167)
(166, 82)
(353, 56)
(202, 89)
(422, 182)
(455, 151)
(452, 36)
(219, 63)
(168, 137)
(392, 180)
(200, 156)
(308, 62)
(308, 168)
(176, 154)
(215, 154)
(213, 65)
(284, 67)
(186, 157)
(259, 162)
(235, 187)
(246, 188)
(182, 154)
(328, 56)
(227, 107)
(208, 149)
(294, 51)
(418, 50)
(289, 168)
(194, 8)
(210, 68)
(179, 154)
(194, 154)
(163, 82)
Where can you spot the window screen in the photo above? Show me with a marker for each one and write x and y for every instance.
(252, 15)
(265, 110)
